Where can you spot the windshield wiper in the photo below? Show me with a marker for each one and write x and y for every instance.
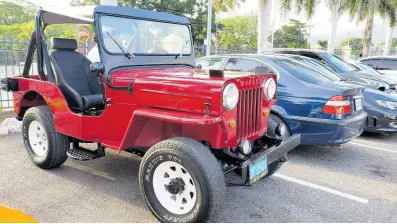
(127, 53)
(181, 54)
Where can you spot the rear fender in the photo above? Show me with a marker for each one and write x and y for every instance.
(27, 100)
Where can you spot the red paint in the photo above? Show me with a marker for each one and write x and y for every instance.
(165, 102)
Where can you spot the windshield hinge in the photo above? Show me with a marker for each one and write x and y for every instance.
(130, 88)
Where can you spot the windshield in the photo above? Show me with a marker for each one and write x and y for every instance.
(301, 71)
(322, 69)
(144, 37)
(340, 64)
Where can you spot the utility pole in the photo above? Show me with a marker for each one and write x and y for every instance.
(209, 23)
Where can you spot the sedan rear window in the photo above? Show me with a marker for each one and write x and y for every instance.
(340, 64)
(301, 71)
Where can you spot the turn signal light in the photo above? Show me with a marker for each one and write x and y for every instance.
(266, 112)
(337, 105)
(232, 123)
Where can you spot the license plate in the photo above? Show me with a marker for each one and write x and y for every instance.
(258, 169)
(358, 104)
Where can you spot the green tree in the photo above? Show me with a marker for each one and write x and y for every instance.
(366, 10)
(322, 43)
(308, 7)
(293, 35)
(25, 31)
(238, 31)
(355, 43)
(225, 5)
(12, 13)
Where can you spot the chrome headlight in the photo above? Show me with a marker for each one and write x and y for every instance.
(230, 96)
(387, 104)
(269, 89)
(245, 147)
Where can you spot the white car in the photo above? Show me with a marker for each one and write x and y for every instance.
(386, 65)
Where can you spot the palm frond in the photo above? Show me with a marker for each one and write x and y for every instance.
(310, 6)
(285, 5)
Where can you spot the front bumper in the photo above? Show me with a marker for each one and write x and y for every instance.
(384, 124)
(278, 149)
(380, 120)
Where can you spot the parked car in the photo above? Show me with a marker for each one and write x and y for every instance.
(386, 65)
(147, 96)
(343, 68)
(324, 111)
(363, 67)
(380, 105)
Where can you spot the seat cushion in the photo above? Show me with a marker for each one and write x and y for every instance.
(91, 101)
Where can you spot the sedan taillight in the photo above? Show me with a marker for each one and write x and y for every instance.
(337, 105)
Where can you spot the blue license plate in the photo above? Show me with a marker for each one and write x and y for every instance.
(258, 169)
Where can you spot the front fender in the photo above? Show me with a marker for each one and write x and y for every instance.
(279, 110)
(148, 126)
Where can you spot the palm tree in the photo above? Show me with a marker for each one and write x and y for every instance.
(224, 5)
(308, 7)
(389, 35)
(388, 40)
(365, 10)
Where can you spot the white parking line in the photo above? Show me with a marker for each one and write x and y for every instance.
(373, 147)
(318, 187)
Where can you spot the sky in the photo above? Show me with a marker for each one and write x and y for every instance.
(320, 23)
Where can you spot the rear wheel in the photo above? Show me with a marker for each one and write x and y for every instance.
(46, 148)
(273, 122)
(181, 181)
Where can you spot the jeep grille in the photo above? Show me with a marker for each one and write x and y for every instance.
(249, 109)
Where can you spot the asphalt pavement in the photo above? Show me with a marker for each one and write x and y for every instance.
(355, 184)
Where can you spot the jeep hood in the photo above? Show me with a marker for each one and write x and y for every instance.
(180, 89)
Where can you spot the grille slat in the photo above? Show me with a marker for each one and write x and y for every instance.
(249, 112)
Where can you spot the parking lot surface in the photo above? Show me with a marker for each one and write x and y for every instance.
(355, 184)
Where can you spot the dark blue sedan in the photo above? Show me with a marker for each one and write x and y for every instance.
(381, 106)
(322, 110)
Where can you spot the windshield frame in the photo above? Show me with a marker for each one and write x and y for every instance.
(101, 38)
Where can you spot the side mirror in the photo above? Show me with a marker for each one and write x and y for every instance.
(97, 68)
(199, 66)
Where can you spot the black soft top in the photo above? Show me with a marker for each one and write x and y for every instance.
(141, 13)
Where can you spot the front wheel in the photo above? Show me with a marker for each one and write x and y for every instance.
(274, 121)
(181, 181)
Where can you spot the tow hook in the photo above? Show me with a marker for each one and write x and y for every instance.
(282, 159)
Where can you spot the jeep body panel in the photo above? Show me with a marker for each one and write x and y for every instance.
(180, 102)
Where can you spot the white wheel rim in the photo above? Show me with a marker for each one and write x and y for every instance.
(37, 138)
(171, 173)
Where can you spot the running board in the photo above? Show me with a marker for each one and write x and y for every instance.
(83, 154)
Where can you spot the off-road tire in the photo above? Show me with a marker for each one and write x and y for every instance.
(58, 143)
(201, 165)
(273, 121)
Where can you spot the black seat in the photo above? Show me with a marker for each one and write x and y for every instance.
(80, 87)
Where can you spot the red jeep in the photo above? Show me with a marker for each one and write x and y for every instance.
(146, 96)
